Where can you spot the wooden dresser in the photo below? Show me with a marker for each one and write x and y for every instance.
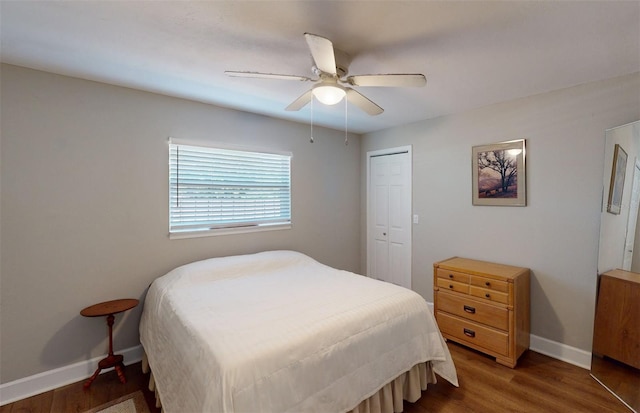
(616, 333)
(483, 305)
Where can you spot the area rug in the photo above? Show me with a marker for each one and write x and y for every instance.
(131, 403)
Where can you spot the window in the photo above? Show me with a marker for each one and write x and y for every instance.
(215, 190)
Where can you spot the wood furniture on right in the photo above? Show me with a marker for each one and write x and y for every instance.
(483, 305)
(617, 325)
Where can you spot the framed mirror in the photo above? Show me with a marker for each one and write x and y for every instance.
(616, 337)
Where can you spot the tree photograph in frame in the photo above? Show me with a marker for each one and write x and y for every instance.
(499, 176)
(618, 173)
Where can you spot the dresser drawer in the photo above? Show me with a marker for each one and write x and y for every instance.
(461, 306)
(490, 284)
(473, 333)
(453, 285)
(496, 296)
(453, 275)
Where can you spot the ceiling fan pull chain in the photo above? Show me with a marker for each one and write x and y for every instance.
(346, 117)
(311, 140)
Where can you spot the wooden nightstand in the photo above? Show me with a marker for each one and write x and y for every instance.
(108, 309)
(483, 305)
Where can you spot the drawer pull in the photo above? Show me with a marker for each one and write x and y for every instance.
(469, 309)
(450, 275)
(469, 333)
(450, 285)
(487, 295)
(488, 284)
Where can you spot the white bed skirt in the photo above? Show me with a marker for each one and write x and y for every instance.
(389, 399)
(407, 386)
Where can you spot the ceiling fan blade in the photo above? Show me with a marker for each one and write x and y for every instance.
(390, 80)
(301, 102)
(363, 103)
(322, 53)
(266, 75)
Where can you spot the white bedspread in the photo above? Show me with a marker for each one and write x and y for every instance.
(279, 332)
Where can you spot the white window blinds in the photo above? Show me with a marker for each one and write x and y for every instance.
(212, 188)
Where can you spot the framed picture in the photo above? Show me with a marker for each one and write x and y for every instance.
(618, 172)
(499, 176)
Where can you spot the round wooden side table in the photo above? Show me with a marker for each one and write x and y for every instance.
(108, 309)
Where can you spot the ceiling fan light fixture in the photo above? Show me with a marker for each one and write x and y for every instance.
(329, 94)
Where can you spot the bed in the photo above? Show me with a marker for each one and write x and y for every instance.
(280, 332)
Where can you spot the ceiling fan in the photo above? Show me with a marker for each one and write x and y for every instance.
(331, 66)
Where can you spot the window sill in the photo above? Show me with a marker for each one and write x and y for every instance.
(227, 231)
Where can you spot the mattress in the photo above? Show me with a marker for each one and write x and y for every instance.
(280, 332)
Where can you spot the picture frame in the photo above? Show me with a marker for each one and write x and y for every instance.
(616, 186)
(499, 173)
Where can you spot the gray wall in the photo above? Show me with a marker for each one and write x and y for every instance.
(556, 234)
(84, 206)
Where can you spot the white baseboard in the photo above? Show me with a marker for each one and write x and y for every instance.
(52, 379)
(568, 354)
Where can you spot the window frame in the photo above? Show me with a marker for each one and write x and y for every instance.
(237, 228)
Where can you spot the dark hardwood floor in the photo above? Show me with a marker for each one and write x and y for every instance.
(74, 398)
(538, 384)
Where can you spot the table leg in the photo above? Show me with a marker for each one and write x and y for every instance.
(92, 378)
(112, 360)
(119, 369)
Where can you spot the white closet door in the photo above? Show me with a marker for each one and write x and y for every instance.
(390, 222)
(632, 219)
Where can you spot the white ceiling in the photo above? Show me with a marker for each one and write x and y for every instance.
(473, 53)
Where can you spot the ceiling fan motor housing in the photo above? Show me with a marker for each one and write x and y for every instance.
(343, 60)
